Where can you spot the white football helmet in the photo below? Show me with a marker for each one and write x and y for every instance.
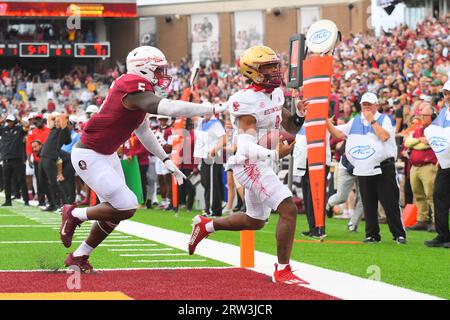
(150, 63)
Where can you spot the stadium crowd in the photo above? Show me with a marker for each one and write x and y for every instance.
(406, 69)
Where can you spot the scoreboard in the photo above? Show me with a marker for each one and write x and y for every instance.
(54, 49)
(91, 50)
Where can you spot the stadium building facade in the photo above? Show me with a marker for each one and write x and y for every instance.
(226, 27)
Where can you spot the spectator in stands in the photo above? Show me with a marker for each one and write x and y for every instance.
(90, 110)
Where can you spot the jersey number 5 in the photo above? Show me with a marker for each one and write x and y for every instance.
(141, 86)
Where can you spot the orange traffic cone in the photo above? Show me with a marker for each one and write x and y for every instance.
(409, 215)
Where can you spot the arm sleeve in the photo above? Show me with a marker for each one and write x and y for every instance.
(178, 108)
(247, 146)
(148, 139)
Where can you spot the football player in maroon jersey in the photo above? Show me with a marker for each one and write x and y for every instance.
(131, 97)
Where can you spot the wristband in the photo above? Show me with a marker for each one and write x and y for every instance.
(298, 120)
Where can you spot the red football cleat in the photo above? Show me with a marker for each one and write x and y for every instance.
(68, 225)
(286, 276)
(81, 262)
(198, 232)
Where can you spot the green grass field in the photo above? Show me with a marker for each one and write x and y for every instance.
(29, 240)
(412, 266)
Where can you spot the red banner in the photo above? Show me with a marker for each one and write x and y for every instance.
(67, 9)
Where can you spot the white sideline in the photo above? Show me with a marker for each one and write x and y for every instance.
(338, 284)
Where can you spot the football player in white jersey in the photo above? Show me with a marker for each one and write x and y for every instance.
(254, 111)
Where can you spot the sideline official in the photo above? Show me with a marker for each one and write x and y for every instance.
(438, 136)
(372, 150)
(12, 146)
(51, 149)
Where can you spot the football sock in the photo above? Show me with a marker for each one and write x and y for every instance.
(80, 213)
(83, 250)
(351, 212)
(282, 266)
(210, 227)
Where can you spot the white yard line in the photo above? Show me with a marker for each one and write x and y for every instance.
(338, 284)
(184, 260)
(129, 245)
(153, 254)
(32, 242)
(109, 237)
(119, 240)
(23, 226)
(134, 250)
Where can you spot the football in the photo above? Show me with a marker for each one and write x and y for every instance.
(271, 138)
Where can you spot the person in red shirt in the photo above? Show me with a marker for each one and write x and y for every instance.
(125, 110)
(39, 133)
(423, 171)
(164, 176)
(51, 107)
(188, 165)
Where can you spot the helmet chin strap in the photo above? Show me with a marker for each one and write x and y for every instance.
(259, 87)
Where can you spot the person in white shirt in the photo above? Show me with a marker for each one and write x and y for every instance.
(438, 137)
(210, 138)
(372, 150)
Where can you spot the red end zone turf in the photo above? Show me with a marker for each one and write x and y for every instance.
(182, 284)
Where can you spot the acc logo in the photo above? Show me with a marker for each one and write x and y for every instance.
(361, 152)
(438, 144)
(82, 164)
(320, 36)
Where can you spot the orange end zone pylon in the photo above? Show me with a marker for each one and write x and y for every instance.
(317, 72)
(177, 145)
(247, 249)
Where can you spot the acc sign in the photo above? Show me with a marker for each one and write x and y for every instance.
(322, 36)
(438, 144)
(361, 152)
